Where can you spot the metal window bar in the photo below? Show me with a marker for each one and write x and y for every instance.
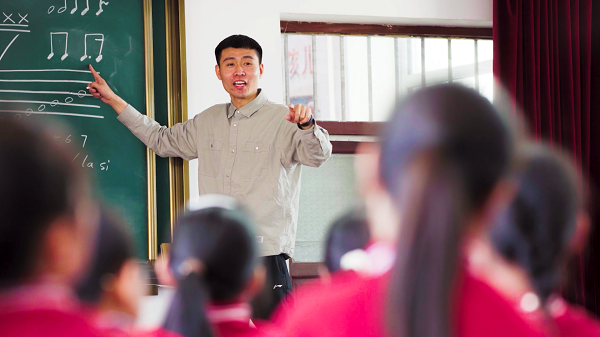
(397, 67)
(423, 79)
(476, 67)
(343, 78)
(449, 61)
(314, 67)
(370, 78)
(287, 69)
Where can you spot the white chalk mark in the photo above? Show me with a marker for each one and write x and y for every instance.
(74, 9)
(7, 17)
(85, 55)
(15, 30)
(44, 70)
(29, 112)
(87, 8)
(12, 25)
(100, 5)
(42, 107)
(79, 94)
(63, 8)
(52, 44)
(23, 18)
(84, 140)
(46, 81)
(50, 9)
(52, 113)
(53, 103)
(5, 49)
(69, 99)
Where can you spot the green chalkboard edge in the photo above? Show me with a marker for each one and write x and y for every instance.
(151, 157)
(176, 101)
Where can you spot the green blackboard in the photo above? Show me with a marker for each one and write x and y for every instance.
(45, 48)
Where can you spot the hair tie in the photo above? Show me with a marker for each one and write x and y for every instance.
(189, 266)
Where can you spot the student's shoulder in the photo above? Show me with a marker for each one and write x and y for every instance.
(46, 323)
(573, 320)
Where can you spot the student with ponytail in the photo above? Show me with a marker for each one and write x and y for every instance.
(215, 265)
(438, 177)
(543, 228)
(48, 222)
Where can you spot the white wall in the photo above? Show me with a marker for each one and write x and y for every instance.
(210, 21)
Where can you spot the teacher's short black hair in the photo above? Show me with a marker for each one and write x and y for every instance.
(240, 42)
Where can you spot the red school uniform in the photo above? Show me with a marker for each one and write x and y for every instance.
(357, 308)
(43, 310)
(572, 320)
(233, 320)
(119, 324)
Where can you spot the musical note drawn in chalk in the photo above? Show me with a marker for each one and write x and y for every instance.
(74, 9)
(87, 7)
(83, 12)
(85, 55)
(52, 44)
(100, 5)
(63, 8)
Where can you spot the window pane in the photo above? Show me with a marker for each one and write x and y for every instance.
(357, 78)
(383, 74)
(300, 69)
(463, 62)
(485, 53)
(409, 65)
(329, 94)
(436, 61)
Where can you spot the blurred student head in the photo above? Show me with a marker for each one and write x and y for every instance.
(442, 163)
(113, 281)
(214, 259)
(48, 218)
(348, 233)
(539, 228)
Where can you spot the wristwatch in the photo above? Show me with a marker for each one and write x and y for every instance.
(306, 124)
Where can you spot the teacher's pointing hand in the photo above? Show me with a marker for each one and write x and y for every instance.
(100, 89)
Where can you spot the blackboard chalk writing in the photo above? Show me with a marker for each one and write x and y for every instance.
(8, 46)
(44, 70)
(100, 5)
(14, 30)
(55, 102)
(63, 8)
(23, 18)
(47, 81)
(104, 166)
(8, 18)
(29, 111)
(52, 44)
(85, 55)
(83, 12)
(84, 140)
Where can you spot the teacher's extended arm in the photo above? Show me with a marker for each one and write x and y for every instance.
(100, 89)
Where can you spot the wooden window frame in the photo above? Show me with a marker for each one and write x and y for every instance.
(372, 128)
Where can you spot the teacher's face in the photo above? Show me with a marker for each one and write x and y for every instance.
(239, 70)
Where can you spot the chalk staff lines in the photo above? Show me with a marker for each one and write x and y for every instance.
(51, 113)
(68, 101)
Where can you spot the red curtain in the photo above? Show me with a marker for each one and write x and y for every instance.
(546, 56)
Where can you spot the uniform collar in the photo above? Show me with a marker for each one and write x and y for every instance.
(45, 295)
(249, 109)
(235, 312)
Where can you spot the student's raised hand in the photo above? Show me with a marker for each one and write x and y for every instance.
(100, 89)
(299, 114)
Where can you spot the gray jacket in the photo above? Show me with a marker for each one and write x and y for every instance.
(252, 154)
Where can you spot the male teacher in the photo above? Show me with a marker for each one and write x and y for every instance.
(252, 149)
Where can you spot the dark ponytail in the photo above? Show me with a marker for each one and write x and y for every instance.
(213, 257)
(443, 152)
(537, 227)
(187, 315)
